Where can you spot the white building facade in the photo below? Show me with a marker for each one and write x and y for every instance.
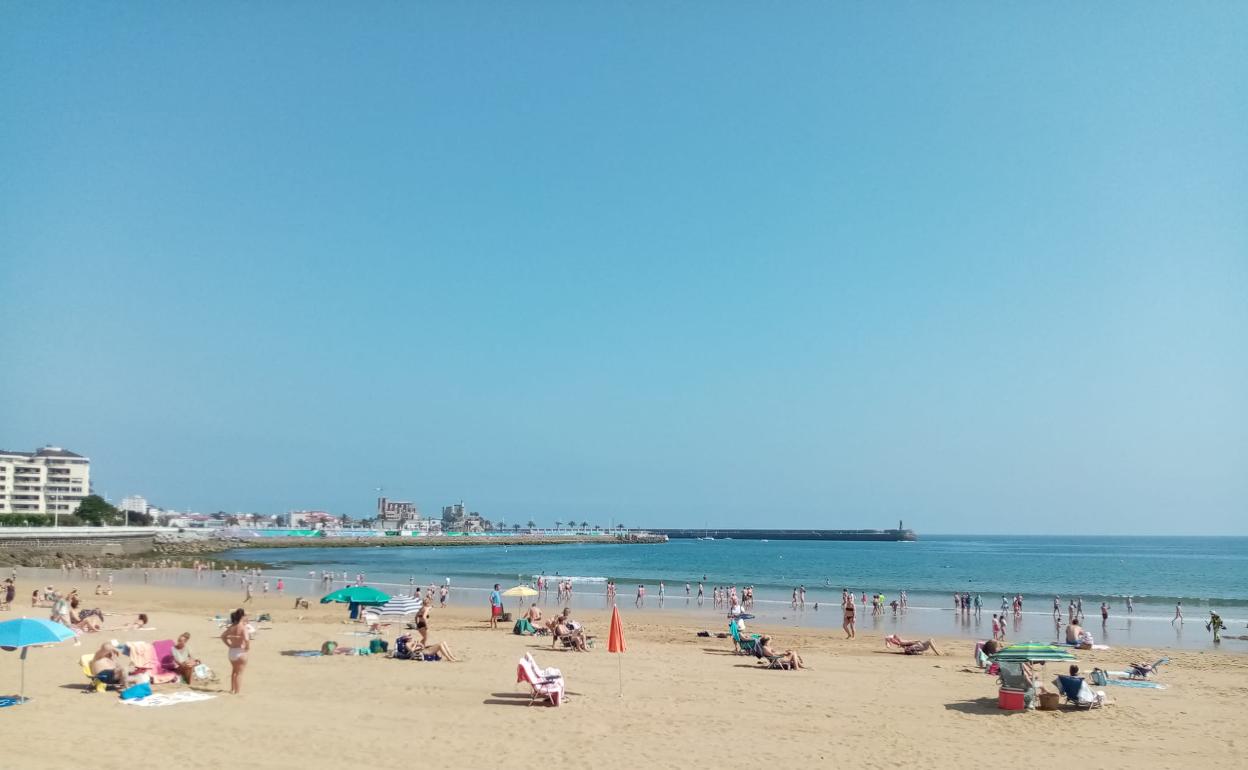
(50, 480)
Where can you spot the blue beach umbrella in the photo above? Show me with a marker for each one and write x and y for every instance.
(24, 633)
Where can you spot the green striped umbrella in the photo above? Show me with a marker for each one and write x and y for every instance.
(1032, 652)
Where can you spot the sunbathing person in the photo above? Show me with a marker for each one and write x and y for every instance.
(789, 659)
(910, 647)
(184, 659)
(87, 621)
(138, 624)
(565, 628)
(107, 666)
(436, 650)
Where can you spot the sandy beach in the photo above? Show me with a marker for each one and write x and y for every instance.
(686, 701)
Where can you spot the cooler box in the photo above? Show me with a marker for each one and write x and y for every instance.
(1011, 700)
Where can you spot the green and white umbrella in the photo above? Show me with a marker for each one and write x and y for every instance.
(1032, 652)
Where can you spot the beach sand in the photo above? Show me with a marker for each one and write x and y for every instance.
(687, 701)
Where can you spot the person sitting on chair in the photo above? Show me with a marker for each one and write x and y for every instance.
(183, 659)
(107, 666)
(789, 659)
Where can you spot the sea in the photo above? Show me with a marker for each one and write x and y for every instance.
(1158, 573)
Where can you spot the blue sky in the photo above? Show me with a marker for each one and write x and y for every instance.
(784, 265)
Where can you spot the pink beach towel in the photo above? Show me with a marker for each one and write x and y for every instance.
(143, 658)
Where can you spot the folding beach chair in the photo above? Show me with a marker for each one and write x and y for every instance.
(96, 684)
(1143, 670)
(742, 646)
(1071, 687)
(546, 684)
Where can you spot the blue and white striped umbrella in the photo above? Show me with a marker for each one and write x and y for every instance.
(399, 605)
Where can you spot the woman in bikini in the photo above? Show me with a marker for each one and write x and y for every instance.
(237, 638)
(848, 623)
(422, 623)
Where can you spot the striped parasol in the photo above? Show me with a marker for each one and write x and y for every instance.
(399, 605)
(1029, 652)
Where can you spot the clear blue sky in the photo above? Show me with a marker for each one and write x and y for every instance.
(980, 266)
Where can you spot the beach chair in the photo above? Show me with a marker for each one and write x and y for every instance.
(96, 684)
(545, 684)
(1071, 687)
(1143, 670)
(742, 646)
(1013, 679)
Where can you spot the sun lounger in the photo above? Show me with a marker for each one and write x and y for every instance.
(545, 684)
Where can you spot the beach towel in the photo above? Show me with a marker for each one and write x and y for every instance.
(169, 699)
(164, 654)
(143, 658)
(1138, 683)
(8, 702)
(306, 653)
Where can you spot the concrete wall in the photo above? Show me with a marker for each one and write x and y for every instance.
(78, 541)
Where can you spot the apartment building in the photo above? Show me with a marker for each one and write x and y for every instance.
(50, 480)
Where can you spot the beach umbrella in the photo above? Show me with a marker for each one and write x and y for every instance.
(356, 595)
(520, 592)
(400, 605)
(1032, 652)
(24, 633)
(615, 642)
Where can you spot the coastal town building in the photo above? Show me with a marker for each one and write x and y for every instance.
(49, 481)
(456, 518)
(396, 514)
(134, 504)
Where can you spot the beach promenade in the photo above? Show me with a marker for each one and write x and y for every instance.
(687, 701)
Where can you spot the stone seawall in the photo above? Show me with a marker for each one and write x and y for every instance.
(48, 545)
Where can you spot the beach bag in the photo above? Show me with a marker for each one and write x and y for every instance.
(1099, 678)
(136, 691)
(376, 646)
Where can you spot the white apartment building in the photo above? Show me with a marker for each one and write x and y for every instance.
(49, 480)
(134, 504)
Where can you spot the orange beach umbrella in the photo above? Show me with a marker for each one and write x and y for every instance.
(615, 641)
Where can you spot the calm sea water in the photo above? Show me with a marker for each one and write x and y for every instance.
(1157, 572)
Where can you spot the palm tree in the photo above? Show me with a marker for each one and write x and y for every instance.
(515, 527)
(557, 523)
(584, 525)
(532, 524)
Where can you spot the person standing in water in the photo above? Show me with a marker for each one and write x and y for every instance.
(1215, 625)
(1178, 612)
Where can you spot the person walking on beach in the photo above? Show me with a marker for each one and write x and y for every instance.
(496, 606)
(662, 591)
(1130, 605)
(1215, 625)
(640, 601)
(1178, 613)
(687, 592)
(247, 588)
(443, 592)
(801, 597)
(1104, 613)
(847, 617)
(701, 594)
(237, 638)
(1057, 606)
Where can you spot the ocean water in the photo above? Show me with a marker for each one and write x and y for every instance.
(1202, 572)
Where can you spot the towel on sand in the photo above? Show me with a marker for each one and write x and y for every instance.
(168, 699)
